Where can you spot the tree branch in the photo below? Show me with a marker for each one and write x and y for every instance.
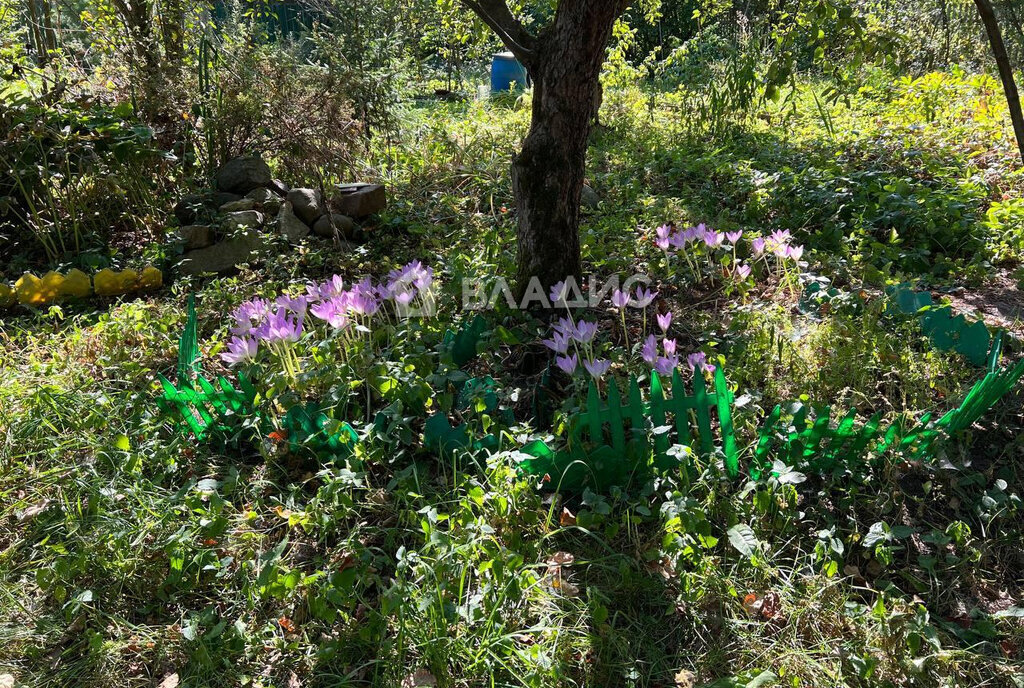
(497, 16)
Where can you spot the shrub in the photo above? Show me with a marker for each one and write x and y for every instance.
(266, 99)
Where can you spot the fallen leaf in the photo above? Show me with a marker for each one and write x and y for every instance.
(168, 681)
(566, 588)
(348, 560)
(561, 559)
(771, 605)
(567, 518)
(421, 678)
(685, 679)
(287, 624)
(293, 681)
(32, 512)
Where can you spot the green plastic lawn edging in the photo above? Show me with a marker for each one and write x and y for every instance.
(442, 438)
(799, 440)
(188, 344)
(612, 440)
(608, 442)
(463, 344)
(207, 408)
(946, 331)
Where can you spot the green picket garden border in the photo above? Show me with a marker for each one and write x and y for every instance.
(615, 439)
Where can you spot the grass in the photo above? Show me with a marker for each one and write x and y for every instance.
(129, 554)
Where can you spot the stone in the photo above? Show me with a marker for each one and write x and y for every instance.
(308, 204)
(327, 224)
(236, 206)
(243, 174)
(289, 224)
(194, 236)
(244, 219)
(278, 187)
(219, 198)
(359, 200)
(262, 195)
(589, 198)
(222, 256)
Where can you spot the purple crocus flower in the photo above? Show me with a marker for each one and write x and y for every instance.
(678, 240)
(598, 367)
(620, 298)
(669, 345)
(699, 361)
(649, 352)
(757, 246)
(743, 271)
(280, 328)
(558, 293)
(567, 363)
(733, 237)
(296, 305)
(403, 297)
(333, 310)
(664, 321)
(423, 278)
(584, 331)
(565, 326)
(240, 349)
(361, 303)
(666, 364)
(250, 315)
(713, 239)
(332, 287)
(663, 231)
(559, 342)
(795, 252)
(663, 243)
(410, 278)
(642, 297)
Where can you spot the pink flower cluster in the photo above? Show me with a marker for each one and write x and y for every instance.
(668, 238)
(779, 244)
(664, 359)
(574, 344)
(283, 321)
(579, 336)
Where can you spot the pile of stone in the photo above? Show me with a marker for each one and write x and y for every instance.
(229, 225)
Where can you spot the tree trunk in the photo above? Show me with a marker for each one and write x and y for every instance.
(547, 176)
(995, 39)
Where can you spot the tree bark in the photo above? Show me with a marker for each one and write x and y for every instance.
(995, 39)
(564, 61)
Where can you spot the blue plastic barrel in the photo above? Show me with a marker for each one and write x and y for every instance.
(506, 69)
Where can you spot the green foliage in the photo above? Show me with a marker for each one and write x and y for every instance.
(661, 428)
(75, 177)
